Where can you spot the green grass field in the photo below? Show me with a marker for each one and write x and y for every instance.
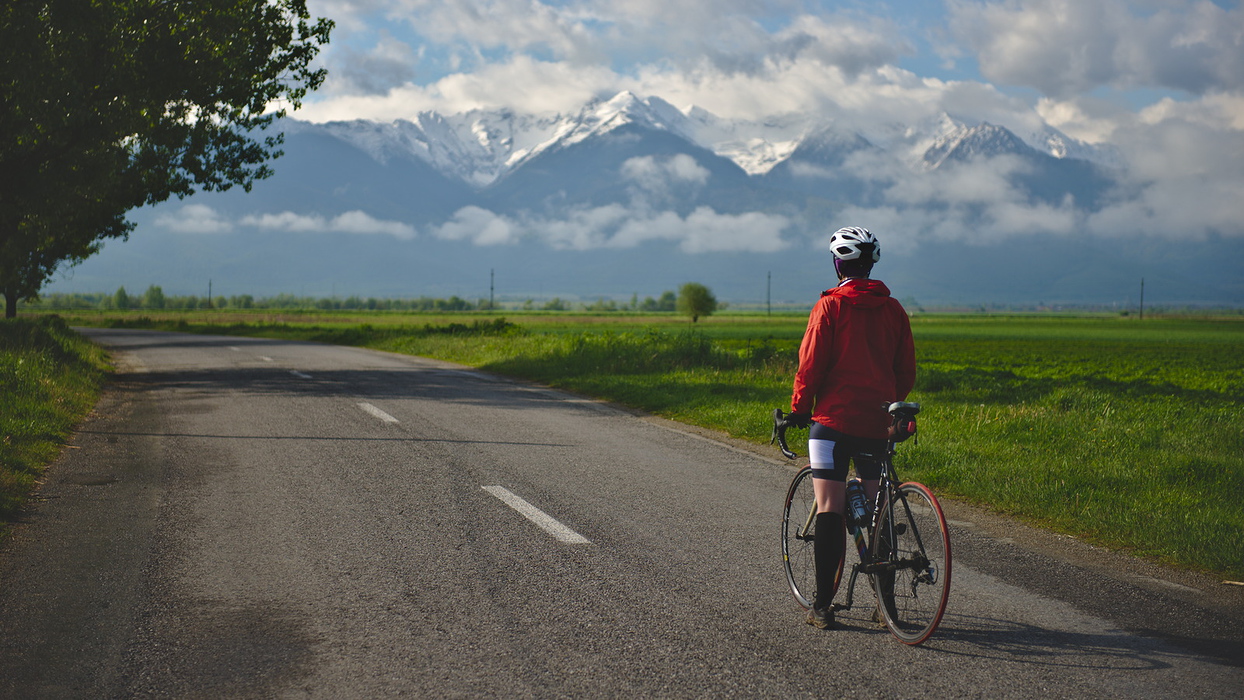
(1124, 432)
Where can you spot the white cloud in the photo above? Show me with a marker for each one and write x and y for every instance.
(1182, 176)
(1089, 119)
(479, 226)
(615, 226)
(350, 15)
(1185, 171)
(1069, 47)
(662, 176)
(1183, 163)
(903, 229)
(963, 203)
(521, 83)
(354, 222)
(580, 229)
(539, 57)
(287, 221)
(850, 46)
(706, 231)
(194, 218)
(361, 223)
(980, 182)
(390, 63)
(504, 24)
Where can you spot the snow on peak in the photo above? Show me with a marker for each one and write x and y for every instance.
(481, 146)
(966, 142)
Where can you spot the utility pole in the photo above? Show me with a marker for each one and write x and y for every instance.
(769, 293)
(1142, 298)
(209, 294)
(492, 287)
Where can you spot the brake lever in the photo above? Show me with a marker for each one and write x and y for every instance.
(779, 434)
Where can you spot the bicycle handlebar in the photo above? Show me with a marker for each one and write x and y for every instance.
(903, 427)
(779, 433)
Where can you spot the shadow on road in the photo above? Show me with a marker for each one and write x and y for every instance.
(990, 638)
(442, 385)
(328, 438)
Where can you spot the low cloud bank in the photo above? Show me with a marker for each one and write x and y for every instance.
(615, 226)
(203, 219)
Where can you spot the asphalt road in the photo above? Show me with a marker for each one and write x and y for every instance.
(253, 518)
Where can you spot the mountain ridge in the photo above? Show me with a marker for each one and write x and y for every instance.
(633, 195)
(480, 147)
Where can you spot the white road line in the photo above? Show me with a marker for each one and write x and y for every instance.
(537, 516)
(377, 413)
(265, 358)
(235, 349)
(298, 374)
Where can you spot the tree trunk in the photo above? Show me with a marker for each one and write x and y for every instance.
(10, 305)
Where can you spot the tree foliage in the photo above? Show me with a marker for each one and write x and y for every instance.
(696, 300)
(107, 105)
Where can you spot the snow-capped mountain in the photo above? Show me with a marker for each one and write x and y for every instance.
(966, 143)
(481, 147)
(634, 195)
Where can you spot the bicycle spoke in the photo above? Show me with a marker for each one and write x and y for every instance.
(913, 541)
(798, 535)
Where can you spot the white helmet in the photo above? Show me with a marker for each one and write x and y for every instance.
(853, 242)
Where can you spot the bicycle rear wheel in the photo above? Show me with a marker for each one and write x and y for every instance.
(914, 545)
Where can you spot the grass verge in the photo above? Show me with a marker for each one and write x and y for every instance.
(50, 377)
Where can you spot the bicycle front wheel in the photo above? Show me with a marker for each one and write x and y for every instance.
(912, 546)
(798, 534)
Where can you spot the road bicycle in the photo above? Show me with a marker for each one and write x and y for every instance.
(903, 543)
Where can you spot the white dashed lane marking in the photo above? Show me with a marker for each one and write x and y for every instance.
(546, 522)
(377, 413)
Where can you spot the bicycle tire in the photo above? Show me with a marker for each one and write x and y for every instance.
(920, 557)
(798, 533)
(798, 556)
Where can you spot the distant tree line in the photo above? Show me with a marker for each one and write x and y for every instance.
(154, 298)
(666, 302)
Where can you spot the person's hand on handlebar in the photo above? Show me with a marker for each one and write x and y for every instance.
(799, 420)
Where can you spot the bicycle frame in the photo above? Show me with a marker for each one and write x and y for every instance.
(886, 496)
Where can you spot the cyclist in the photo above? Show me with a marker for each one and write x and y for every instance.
(857, 356)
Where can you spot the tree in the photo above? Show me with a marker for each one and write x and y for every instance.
(107, 106)
(696, 300)
(667, 302)
(121, 300)
(153, 298)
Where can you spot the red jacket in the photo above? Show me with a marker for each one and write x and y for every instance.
(856, 356)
